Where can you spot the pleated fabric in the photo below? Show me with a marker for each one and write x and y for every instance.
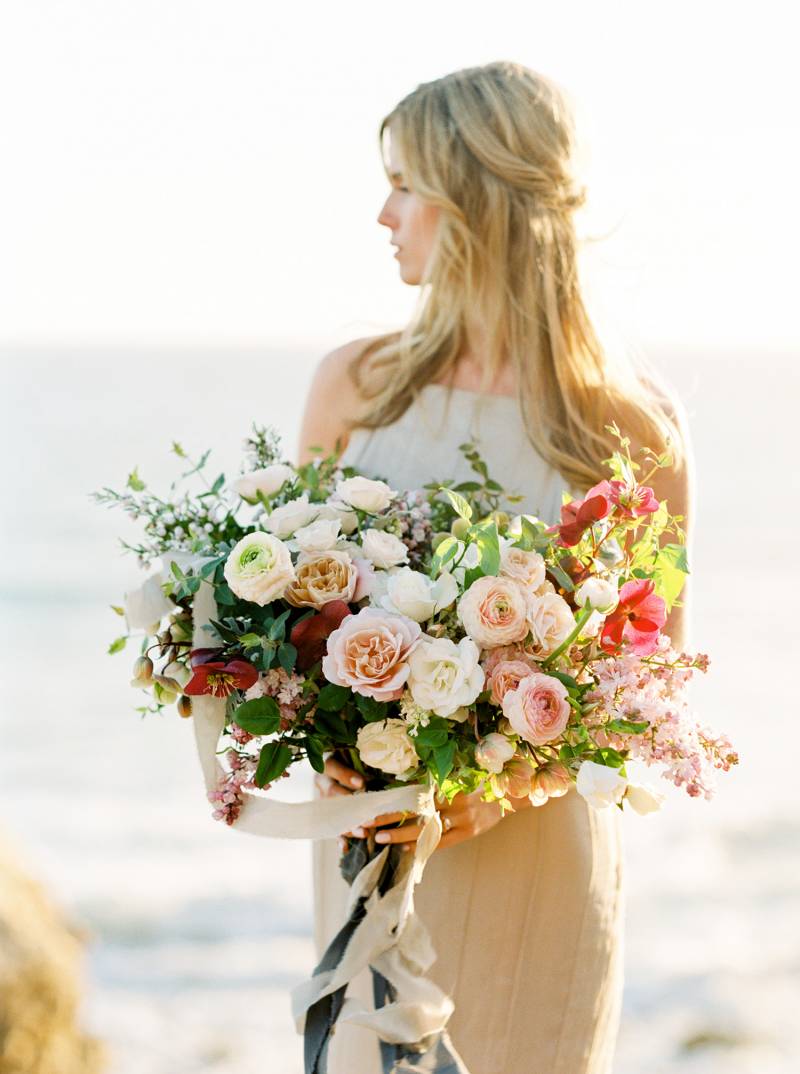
(526, 918)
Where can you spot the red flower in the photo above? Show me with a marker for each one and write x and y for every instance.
(636, 620)
(635, 500)
(578, 515)
(310, 635)
(216, 677)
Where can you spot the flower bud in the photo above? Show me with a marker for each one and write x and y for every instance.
(184, 706)
(501, 520)
(143, 669)
(599, 594)
(178, 672)
(459, 528)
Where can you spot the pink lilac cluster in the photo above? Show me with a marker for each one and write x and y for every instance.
(287, 689)
(654, 689)
(229, 794)
(415, 526)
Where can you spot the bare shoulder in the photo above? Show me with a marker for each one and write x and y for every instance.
(332, 398)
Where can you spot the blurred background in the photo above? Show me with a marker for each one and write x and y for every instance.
(187, 211)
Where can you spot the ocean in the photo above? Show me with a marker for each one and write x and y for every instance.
(196, 932)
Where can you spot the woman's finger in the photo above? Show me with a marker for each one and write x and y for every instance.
(329, 787)
(388, 818)
(342, 774)
(406, 833)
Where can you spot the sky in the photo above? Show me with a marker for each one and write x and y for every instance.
(196, 173)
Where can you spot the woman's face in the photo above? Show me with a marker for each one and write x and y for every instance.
(411, 221)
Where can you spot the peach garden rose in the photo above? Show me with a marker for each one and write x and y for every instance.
(369, 653)
(321, 578)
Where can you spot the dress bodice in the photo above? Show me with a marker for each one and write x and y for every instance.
(422, 445)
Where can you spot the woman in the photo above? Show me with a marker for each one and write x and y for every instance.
(525, 912)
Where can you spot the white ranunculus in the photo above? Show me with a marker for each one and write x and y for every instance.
(387, 745)
(259, 568)
(365, 493)
(444, 676)
(493, 751)
(643, 799)
(383, 549)
(269, 480)
(318, 536)
(600, 785)
(292, 516)
(337, 509)
(599, 594)
(414, 594)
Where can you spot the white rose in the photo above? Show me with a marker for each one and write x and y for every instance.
(386, 744)
(493, 751)
(335, 509)
(269, 481)
(259, 568)
(550, 620)
(318, 536)
(295, 514)
(383, 549)
(365, 494)
(444, 676)
(600, 785)
(600, 594)
(643, 799)
(414, 594)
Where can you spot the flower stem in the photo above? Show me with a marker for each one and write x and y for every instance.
(580, 620)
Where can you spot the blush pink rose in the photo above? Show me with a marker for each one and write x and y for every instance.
(369, 653)
(506, 675)
(538, 709)
(494, 611)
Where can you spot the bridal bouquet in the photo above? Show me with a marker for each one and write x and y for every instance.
(428, 639)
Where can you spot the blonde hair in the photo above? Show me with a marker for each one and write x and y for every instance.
(492, 146)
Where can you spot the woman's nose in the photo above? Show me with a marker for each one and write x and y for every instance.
(385, 216)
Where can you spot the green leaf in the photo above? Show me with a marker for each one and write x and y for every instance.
(218, 483)
(209, 568)
(176, 570)
(669, 572)
(627, 727)
(333, 698)
(332, 724)
(467, 486)
(561, 577)
(116, 608)
(443, 759)
(117, 645)
(287, 654)
(431, 737)
(276, 630)
(272, 762)
(486, 537)
(314, 752)
(261, 716)
(223, 595)
(459, 503)
(134, 481)
(250, 640)
(443, 554)
(568, 681)
(370, 709)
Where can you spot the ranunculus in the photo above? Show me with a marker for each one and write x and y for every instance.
(414, 594)
(283, 521)
(492, 752)
(322, 577)
(506, 675)
(600, 594)
(538, 709)
(310, 634)
(527, 567)
(551, 781)
(550, 621)
(600, 785)
(643, 799)
(387, 745)
(259, 568)
(492, 657)
(637, 619)
(383, 549)
(318, 536)
(445, 675)
(369, 653)
(365, 493)
(269, 481)
(494, 611)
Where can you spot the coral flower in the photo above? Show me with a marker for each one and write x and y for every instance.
(636, 620)
(216, 677)
(310, 635)
(578, 515)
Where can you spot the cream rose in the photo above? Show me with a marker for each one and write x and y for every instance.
(365, 494)
(322, 577)
(600, 594)
(550, 620)
(445, 675)
(383, 549)
(369, 652)
(387, 745)
(269, 481)
(259, 568)
(494, 611)
(538, 709)
(600, 785)
(283, 521)
(526, 567)
(493, 751)
(318, 536)
(335, 509)
(414, 594)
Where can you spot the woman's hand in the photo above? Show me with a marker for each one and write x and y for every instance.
(467, 815)
(337, 778)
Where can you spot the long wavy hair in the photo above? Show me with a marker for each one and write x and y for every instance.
(493, 147)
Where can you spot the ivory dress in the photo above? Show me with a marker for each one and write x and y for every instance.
(527, 917)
